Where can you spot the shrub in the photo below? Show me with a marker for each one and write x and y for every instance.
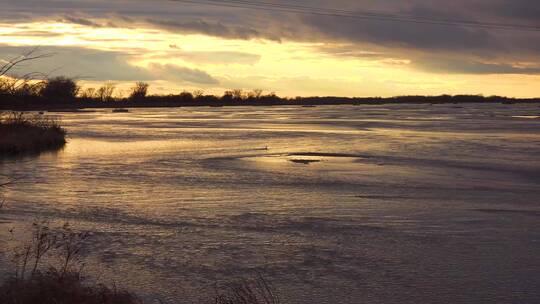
(186, 96)
(59, 89)
(227, 97)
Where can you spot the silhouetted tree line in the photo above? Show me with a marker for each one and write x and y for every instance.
(65, 92)
(37, 91)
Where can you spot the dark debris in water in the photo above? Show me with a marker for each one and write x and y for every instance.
(305, 161)
(320, 154)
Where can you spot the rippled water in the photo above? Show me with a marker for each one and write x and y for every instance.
(349, 204)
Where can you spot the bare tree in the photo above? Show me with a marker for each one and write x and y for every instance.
(255, 94)
(238, 94)
(198, 94)
(88, 93)
(10, 64)
(24, 85)
(106, 92)
(139, 91)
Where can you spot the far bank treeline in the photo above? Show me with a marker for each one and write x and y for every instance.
(63, 92)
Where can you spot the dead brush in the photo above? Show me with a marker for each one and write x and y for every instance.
(28, 119)
(253, 291)
(61, 282)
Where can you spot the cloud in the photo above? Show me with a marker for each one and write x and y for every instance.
(208, 28)
(31, 33)
(81, 21)
(464, 66)
(342, 36)
(80, 63)
(404, 35)
(522, 10)
(210, 57)
(177, 73)
(97, 65)
(350, 50)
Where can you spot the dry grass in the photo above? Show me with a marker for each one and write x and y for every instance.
(254, 291)
(61, 281)
(72, 288)
(48, 270)
(50, 288)
(22, 133)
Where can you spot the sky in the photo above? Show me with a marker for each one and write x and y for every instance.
(189, 45)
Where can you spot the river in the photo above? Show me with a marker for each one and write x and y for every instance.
(332, 204)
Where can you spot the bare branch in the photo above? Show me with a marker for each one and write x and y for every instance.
(28, 56)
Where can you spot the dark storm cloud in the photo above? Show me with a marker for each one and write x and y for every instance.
(396, 39)
(524, 10)
(209, 28)
(410, 35)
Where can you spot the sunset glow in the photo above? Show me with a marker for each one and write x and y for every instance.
(175, 61)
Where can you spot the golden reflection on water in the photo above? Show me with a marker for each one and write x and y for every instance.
(92, 148)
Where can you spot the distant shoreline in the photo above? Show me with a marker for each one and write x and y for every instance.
(172, 101)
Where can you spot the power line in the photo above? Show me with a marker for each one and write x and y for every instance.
(373, 13)
(363, 14)
(359, 14)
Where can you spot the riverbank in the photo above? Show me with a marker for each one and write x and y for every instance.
(29, 134)
(188, 100)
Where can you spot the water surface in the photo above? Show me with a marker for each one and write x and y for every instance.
(334, 204)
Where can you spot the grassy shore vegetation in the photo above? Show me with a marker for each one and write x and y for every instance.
(23, 133)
